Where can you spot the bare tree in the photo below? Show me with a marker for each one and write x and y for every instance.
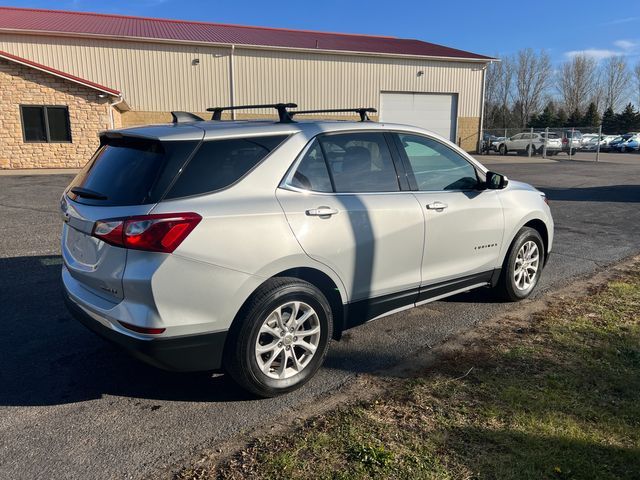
(578, 82)
(532, 73)
(636, 77)
(499, 81)
(615, 81)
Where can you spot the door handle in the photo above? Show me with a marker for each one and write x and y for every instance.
(321, 212)
(438, 206)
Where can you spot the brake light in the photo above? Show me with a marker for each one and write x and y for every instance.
(155, 233)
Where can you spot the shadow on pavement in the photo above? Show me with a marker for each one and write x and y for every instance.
(611, 193)
(49, 358)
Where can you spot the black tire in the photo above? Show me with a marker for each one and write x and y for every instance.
(532, 149)
(503, 149)
(240, 352)
(506, 289)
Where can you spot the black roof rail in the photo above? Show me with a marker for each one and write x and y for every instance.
(283, 115)
(360, 111)
(183, 117)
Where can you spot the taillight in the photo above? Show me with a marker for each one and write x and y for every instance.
(154, 233)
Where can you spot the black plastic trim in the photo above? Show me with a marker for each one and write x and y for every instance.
(435, 290)
(190, 353)
(361, 311)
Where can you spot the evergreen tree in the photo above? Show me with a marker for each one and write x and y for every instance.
(609, 122)
(591, 117)
(546, 119)
(575, 119)
(628, 120)
(561, 118)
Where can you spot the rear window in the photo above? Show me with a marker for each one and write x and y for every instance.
(129, 171)
(220, 163)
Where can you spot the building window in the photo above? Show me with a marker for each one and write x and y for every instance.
(45, 123)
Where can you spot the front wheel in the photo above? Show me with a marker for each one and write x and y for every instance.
(503, 149)
(522, 266)
(281, 338)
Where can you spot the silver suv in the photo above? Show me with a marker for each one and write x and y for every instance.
(248, 245)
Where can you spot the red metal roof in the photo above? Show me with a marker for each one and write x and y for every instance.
(86, 24)
(58, 73)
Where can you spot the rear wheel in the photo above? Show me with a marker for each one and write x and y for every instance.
(281, 339)
(522, 266)
(531, 150)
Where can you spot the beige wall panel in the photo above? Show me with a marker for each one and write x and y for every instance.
(159, 77)
(152, 76)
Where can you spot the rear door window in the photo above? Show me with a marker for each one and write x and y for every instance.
(219, 163)
(130, 171)
(360, 162)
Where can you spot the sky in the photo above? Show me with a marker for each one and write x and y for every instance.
(499, 27)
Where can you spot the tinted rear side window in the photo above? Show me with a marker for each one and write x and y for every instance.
(131, 171)
(219, 163)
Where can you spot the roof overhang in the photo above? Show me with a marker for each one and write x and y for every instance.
(67, 76)
(483, 60)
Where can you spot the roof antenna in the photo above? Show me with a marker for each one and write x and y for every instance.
(185, 117)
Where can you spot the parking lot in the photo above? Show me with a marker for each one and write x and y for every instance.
(72, 406)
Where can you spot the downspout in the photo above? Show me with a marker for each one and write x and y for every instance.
(482, 102)
(111, 105)
(232, 82)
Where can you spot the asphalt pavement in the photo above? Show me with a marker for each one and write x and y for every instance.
(73, 406)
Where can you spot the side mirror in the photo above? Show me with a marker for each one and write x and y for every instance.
(496, 181)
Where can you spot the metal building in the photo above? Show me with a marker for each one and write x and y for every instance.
(136, 70)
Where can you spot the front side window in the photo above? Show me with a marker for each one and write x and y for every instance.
(435, 166)
(359, 162)
(48, 124)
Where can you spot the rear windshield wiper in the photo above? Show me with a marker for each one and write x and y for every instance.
(86, 193)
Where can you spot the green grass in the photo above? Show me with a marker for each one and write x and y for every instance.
(554, 397)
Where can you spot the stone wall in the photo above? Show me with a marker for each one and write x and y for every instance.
(88, 115)
(468, 128)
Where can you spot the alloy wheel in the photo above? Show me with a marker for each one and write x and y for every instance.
(287, 340)
(526, 265)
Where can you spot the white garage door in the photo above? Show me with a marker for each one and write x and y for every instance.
(434, 111)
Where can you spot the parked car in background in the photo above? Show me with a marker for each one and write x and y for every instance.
(632, 144)
(521, 143)
(488, 141)
(590, 142)
(605, 141)
(589, 139)
(553, 143)
(495, 145)
(612, 146)
(571, 141)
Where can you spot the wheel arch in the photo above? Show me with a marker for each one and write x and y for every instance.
(539, 226)
(319, 279)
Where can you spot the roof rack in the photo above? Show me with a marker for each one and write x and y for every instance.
(283, 115)
(184, 117)
(360, 111)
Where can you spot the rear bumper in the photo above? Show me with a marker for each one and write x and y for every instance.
(190, 353)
